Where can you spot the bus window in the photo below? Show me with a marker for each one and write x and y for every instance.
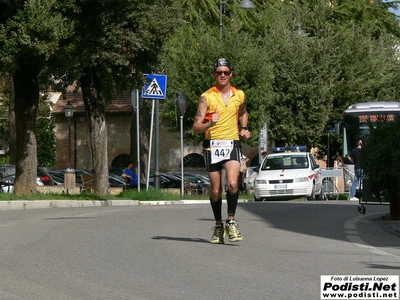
(358, 117)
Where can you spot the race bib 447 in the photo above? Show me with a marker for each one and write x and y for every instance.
(220, 150)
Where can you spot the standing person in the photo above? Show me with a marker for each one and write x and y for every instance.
(263, 154)
(242, 172)
(130, 175)
(355, 157)
(221, 110)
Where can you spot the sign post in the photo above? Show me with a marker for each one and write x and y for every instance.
(155, 88)
(262, 142)
(180, 101)
(135, 101)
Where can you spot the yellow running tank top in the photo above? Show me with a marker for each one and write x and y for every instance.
(227, 127)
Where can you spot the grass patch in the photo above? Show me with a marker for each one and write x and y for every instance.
(148, 195)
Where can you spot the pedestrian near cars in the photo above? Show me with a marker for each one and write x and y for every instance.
(130, 176)
(355, 158)
(243, 170)
(222, 117)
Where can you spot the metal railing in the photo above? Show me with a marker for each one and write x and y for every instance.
(335, 183)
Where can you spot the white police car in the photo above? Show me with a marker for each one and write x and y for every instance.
(288, 173)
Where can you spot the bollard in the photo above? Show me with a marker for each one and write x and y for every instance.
(69, 180)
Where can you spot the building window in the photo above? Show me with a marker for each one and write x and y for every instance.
(120, 161)
(194, 160)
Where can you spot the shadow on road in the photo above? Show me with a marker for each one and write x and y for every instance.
(181, 239)
(322, 218)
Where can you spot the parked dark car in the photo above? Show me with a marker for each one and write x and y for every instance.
(59, 177)
(198, 185)
(203, 180)
(114, 180)
(170, 181)
(43, 178)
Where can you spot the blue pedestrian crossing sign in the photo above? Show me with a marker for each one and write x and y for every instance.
(155, 86)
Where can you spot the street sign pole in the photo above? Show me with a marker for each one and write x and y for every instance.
(136, 104)
(262, 141)
(150, 143)
(180, 101)
(157, 154)
(155, 88)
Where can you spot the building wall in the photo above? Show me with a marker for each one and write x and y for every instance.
(119, 141)
(118, 138)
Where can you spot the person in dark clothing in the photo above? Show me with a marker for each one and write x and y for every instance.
(355, 158)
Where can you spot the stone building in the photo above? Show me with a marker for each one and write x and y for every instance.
(118, 120)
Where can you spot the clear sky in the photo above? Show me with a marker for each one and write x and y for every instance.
(397, 10)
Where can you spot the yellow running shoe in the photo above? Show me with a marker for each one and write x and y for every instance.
(218, 236)
(232, 230)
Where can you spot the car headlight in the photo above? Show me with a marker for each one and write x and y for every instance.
(261, 181)
(301, 179)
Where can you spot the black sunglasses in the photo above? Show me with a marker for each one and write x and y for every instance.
(219, 73)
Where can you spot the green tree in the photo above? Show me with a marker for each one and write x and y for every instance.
(305, 71)
(30, 34)
(46, 140)
(295, 83)
(4, 113)
(189, 54)
(368, 53)
(114, 42)
(380, 159)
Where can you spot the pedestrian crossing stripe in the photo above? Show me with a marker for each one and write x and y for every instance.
(154, 89)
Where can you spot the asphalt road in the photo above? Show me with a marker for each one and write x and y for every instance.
(163, 252)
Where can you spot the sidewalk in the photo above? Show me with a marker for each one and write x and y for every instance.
(383, 222)
(40, 204)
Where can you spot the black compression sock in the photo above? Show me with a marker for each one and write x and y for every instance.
(216, 207)
(232, 200)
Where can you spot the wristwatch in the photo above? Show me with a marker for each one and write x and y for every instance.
(245, 127)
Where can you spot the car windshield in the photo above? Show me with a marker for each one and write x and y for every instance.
(290, 161)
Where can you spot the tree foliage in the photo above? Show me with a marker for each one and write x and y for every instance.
(105, 45)
(297, 84)
(114, 43)
(30, 35)
(380, 159)
(46, 139)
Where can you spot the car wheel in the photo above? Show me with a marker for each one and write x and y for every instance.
(312, 196)
(257, 199)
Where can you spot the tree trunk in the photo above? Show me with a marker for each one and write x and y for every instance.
(26, 89)
(95, 111)
(13, 128)
(395, 206)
